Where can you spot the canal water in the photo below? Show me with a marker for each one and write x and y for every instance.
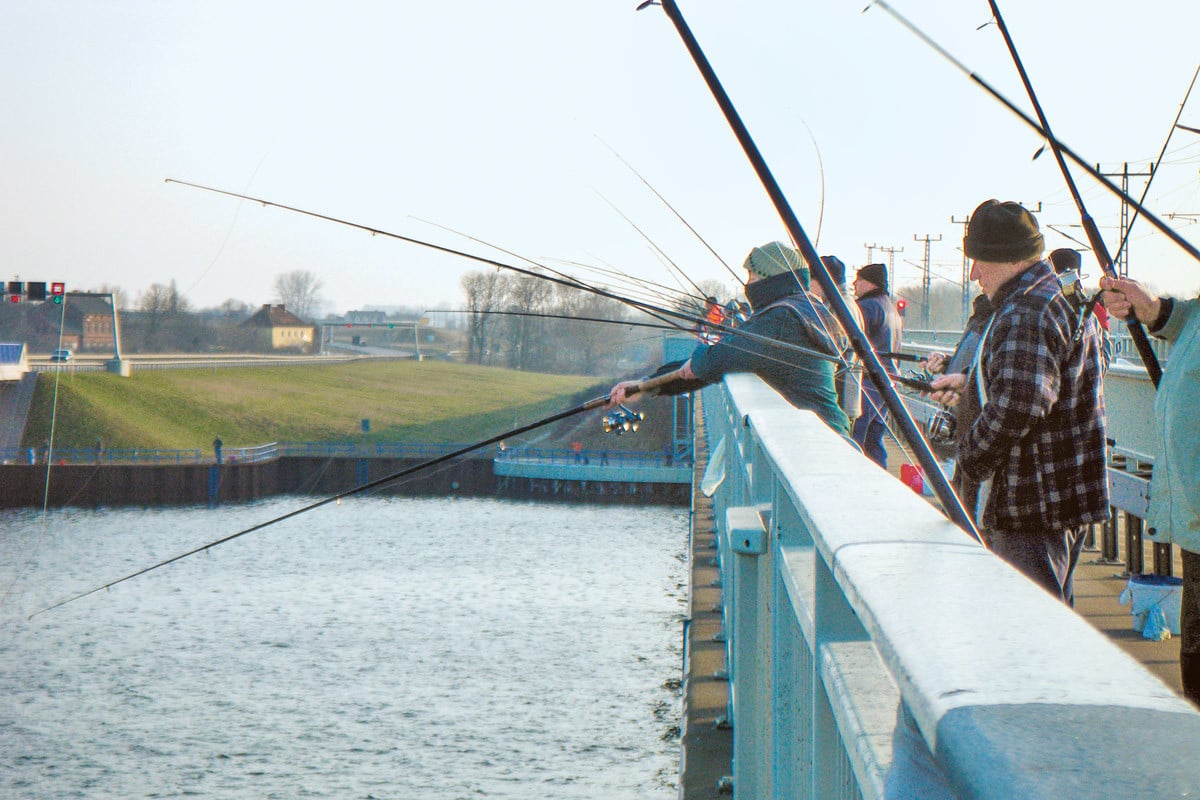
(379, 648)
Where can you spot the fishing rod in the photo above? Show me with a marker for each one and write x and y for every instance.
(904, 357)
(643, 387)
(1136, 331)
(645, 286)
(540, 315)
(821, 175)
(1095, 173)
(1158, 162)
(858, 339)
(741, 281)
(573, 283)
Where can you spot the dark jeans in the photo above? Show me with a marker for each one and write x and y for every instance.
(1047, 559)
(869, 430)
(1189, 626)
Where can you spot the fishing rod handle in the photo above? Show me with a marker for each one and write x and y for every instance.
(1137, 332)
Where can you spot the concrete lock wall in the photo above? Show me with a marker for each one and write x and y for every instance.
(89, 485)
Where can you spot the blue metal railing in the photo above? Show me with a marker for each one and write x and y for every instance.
(602, 457)
(844, 593)
(266, 452)
(39, 455)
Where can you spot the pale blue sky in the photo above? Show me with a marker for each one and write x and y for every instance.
(496, 118)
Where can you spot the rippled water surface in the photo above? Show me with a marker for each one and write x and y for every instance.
(382, 648)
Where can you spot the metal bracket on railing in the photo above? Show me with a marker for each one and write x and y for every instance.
(748, 532)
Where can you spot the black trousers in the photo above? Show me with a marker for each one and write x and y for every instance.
(1047, 559)
(1189, 627)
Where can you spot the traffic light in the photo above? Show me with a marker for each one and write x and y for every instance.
(901, 304)
(14, 291)
(58, 290)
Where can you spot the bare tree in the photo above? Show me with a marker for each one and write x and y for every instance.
(119, 295)
(159, 302)
(298, 290)
(526, 335)
(483, 292)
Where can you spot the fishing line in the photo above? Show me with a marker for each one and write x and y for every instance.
(699, 292)
(1157, 163)
(562, 278)
(44, 522)
(643, 285)
(703, 241)
(229, 231)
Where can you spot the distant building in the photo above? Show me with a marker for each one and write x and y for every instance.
(13, 361)
(276, 328)
(86, 319)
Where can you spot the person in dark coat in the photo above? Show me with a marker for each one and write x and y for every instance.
(1037, 448)
(777, 290)
(881, 323)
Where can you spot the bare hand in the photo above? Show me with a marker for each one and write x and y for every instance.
(619, 393)
(948, 389)
(935, 362)
(1125, 298)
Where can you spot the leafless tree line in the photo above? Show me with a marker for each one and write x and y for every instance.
(525, 341)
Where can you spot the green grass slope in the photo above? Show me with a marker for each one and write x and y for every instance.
(405, 400)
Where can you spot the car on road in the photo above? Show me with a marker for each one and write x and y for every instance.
(61, 355)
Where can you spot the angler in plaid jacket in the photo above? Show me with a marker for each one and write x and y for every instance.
(1039, 438)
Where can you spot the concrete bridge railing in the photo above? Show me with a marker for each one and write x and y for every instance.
(844, 592)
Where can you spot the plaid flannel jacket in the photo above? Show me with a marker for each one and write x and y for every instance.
(1040, 436)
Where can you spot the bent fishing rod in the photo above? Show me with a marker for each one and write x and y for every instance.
(950, 501)
(643, 387)
(1086, 166)
(1136, 331)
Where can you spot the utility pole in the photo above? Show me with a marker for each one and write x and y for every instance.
(1122, 264)
(927, 239)
(891, 251)
(966, 271)
(871, 248)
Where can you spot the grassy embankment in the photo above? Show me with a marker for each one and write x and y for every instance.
(406, 401)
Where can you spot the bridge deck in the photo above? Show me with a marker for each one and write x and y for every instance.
(1098, 585)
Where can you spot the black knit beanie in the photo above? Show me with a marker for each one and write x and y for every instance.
(1002, 233)
(875, 273)
(835, 268)
(1065, 259)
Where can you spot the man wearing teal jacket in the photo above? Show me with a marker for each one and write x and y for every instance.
(1174, 514)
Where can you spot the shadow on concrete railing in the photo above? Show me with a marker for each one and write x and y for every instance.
(844, 592)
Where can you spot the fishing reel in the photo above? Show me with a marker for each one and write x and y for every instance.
(940, 427)
(1072, 288)
(623, 420)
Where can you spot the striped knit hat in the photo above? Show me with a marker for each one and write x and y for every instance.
(776, 258)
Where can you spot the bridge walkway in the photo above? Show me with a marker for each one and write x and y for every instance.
(1098, 585)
